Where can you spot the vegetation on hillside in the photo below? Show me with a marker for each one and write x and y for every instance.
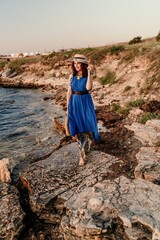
(2, 64)
(139, 103)
(158, 36)
(109, 78)
(125, 53)
(16, 64)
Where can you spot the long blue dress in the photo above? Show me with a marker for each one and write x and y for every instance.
(81, 113)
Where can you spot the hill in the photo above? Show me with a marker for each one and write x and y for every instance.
(115, 195)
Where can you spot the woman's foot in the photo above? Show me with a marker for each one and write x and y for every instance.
(81, 162)
(74, 138)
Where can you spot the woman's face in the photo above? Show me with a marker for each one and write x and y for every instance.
(77, 66)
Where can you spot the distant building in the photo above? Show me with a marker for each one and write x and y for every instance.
(32, 54)
(25, 54)
(69, 49)
(20, 55)
(13, 55)
(46, 53)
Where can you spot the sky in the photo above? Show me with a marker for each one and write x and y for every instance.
(47, 25)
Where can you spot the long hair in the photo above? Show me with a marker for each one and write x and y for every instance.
(83, 67)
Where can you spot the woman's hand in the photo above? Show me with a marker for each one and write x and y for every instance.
(89, 80)
(90, 68)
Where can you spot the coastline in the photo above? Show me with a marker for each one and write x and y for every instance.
(61, 200)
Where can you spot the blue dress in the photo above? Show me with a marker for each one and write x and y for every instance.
(81, 113)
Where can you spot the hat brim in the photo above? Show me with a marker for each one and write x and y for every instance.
(81, 60)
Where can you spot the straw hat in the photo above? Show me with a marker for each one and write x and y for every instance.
(80, 58)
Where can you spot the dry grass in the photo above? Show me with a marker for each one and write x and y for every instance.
(16, 64)
(109, 78)
(3, 62)
(95, 55)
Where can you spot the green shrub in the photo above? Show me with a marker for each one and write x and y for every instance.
(2, 64)
(127, 88)
(109, 78)
(15, 65)
(115, 107)
(158, 36)
(148, 116)
(136, 103)
(121, 110)
(52, 54)
(124, 110)
(135, 40)
(88, 50)
(116, 49)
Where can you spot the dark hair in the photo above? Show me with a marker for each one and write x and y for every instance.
(83, 67)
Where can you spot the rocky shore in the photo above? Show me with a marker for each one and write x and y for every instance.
(114, 196)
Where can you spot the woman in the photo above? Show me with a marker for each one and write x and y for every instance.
(81, 115)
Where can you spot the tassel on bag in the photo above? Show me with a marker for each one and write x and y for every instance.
(67, 127)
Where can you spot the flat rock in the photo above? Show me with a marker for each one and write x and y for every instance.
(118, 209)
(86, 204)
(54, 180)
(148, 134)
(148, 164)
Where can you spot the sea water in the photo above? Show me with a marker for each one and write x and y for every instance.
(25, 119)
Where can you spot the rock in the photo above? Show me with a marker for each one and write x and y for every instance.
(11, 214)
(148, 134)
(151, 106)
(6, 73)
(134, 114)
(129, 208)
(57, 75)
(85, 204)
(148, 164)
(54, 180)
(13, 74)
(154, 123)
(4, 171)
(151, 154)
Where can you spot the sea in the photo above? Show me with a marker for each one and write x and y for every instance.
(26, 119)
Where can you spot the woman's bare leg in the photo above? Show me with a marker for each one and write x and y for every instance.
(82, 157)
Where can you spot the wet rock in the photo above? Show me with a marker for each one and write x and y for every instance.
(11, 214)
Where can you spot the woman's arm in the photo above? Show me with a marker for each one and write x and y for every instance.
(69, 92)
(89, 83)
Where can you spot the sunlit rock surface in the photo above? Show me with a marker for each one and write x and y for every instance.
(11, 214)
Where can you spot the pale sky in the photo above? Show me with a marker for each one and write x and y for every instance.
(46, 25)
